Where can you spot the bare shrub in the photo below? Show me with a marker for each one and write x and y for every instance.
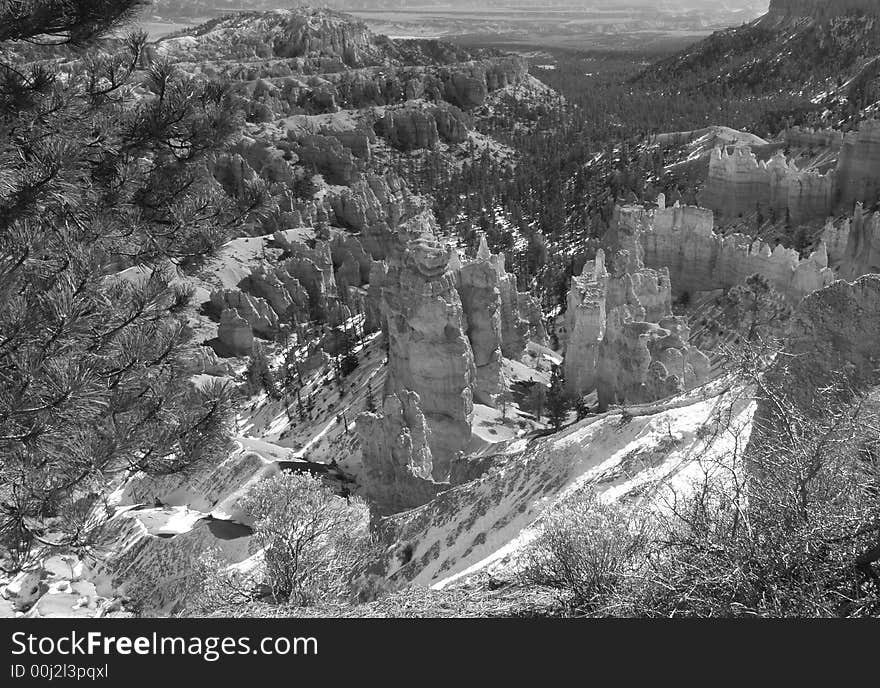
(590, 551)
(793, 529)
(316, 546)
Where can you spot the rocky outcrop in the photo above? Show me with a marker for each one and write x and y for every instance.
(738, 184)
(277, 286)
(375, 207)
(417, 126)
(258, 314)
(641, 361)
(585, 321)
(682, 239)
(622, 339)
(428, 350)
(835, 331)
(397, 461)
(313, 269)
(452, 124)
(266, 160)
(356, 140)
(330, 157)
(858, 168)
(809, 138)
(854, 245)
(467, 84)
(351, 262)
(833, 341)
(478, 286)
(308, 36)
(521, 317)
(409, 128)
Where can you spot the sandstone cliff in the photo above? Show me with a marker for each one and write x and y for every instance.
(416, 126)
(738, 183)
(622, 338)
(682, 239)
(858, 169)
(854, 245)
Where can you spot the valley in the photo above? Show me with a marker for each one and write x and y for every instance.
(490, 289)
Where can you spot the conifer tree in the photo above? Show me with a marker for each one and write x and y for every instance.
(558, 402)
(105, 164)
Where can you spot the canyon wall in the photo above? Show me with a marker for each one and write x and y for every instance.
(739, 184)
(858, 169)
(682, 239)
(854, 244)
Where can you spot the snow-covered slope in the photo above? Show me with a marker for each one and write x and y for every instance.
(645, 452)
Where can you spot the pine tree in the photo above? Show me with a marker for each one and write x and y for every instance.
(94, 377)
(558, 402)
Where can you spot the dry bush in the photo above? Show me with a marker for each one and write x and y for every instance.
(316, 546)
(793, 528)
(785, 524)
(591, 551)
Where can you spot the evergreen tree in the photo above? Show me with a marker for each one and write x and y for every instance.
(558, 402)
(259, 374)
(753, 312)
(96, 177)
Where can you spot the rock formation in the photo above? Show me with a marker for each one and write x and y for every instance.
(478, 286)
(397, 461)
(255, 311)
(622, 338)
(452, 124)
(429, 352)
(858, 168)
(408, 128)
(854, 245)
(313, 269)
(682, 239)
(330, 157)
(807, 137)
(306, 35)
(351, 262)
(833, 332)
(738, 183)
(521, 317)
(585, 320)
(374, 207)
(280, 289)
(414, 127)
